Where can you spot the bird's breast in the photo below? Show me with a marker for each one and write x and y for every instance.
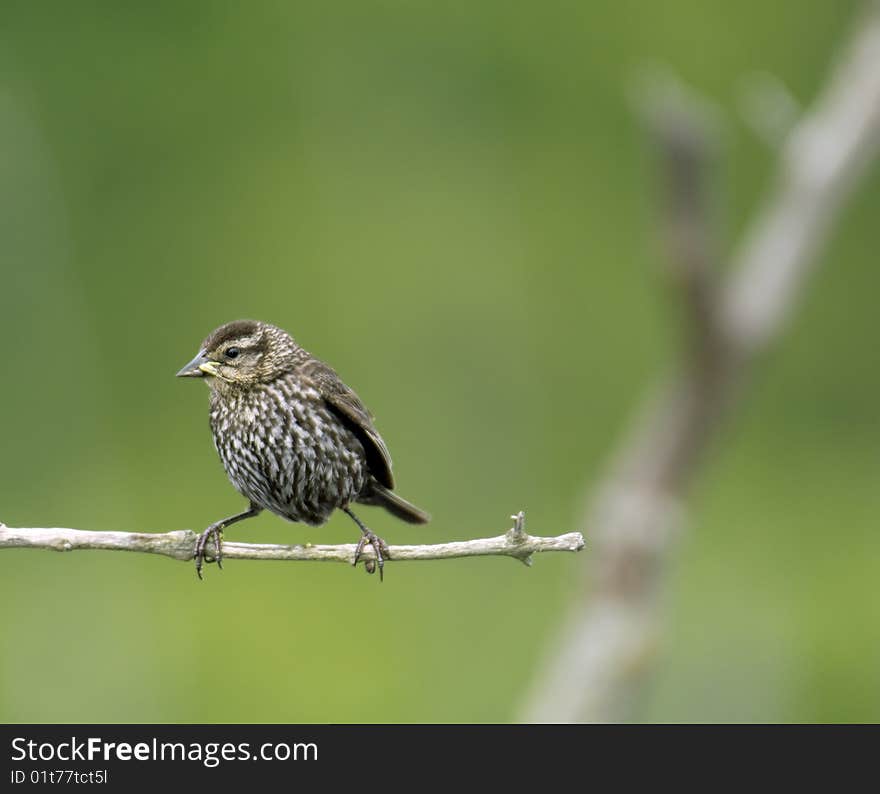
(284, 450)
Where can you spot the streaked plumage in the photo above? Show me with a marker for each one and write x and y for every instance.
(293, 438)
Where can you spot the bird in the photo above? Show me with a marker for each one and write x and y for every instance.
(293, 438)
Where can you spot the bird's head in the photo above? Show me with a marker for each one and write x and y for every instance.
(243, 354)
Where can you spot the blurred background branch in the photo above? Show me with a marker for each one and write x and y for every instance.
(180, 544)
(608, 646)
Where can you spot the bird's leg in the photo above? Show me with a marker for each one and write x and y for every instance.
(367, 536)
(215, 531)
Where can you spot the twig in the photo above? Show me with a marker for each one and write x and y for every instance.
(768, 107)
(608, 645)
(684, 129)
(179, 545)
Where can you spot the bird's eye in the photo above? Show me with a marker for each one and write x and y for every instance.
(232, 352)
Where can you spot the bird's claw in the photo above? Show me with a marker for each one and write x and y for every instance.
(199, 555)
(380, 547)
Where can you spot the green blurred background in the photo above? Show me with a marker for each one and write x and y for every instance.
(453, 204)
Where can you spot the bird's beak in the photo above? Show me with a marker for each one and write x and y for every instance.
(200, 366)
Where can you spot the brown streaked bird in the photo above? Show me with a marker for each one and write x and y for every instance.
(293, 438)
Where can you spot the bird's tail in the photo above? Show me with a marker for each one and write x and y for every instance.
(396, 505)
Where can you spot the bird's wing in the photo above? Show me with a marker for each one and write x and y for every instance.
(348, 407)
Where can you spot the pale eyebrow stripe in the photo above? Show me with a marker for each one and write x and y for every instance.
(247, 341)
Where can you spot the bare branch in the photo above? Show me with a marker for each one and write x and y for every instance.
(824, 156)
(768, 107)
(179, 545)
(685, 130)
(609, 643)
